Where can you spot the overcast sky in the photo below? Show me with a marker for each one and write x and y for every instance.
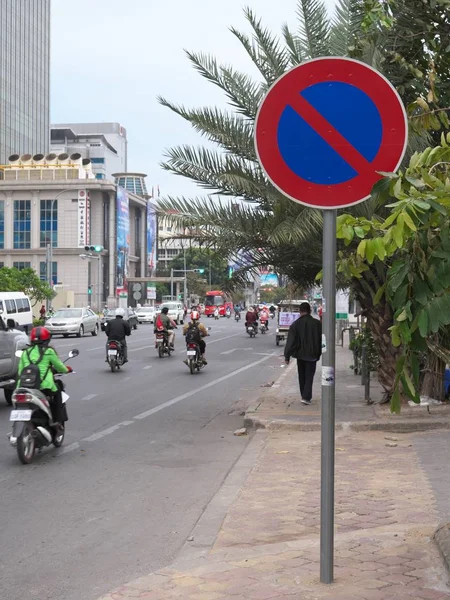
(112, 58)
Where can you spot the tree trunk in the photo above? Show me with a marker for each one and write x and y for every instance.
(433, 380)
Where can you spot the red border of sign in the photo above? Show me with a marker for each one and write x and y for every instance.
(345, 70)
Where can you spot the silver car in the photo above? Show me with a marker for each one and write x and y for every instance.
(146, 314)
(73, 321)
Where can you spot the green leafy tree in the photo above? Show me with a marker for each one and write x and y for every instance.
(403, 262)
(206, 259)
(27, 281)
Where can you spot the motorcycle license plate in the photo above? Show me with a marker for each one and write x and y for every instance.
(191, 353)
(65, 397)
(112, 352)
(20, 415)
(159, 341)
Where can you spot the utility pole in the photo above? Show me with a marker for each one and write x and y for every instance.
(185, 278)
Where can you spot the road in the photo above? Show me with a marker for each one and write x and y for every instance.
(146, 449)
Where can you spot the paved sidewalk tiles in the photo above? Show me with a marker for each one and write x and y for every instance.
(268, 546)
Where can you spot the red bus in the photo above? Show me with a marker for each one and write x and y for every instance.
(216, 299)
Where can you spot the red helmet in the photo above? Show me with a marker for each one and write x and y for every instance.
(195, 316)
(40, 335)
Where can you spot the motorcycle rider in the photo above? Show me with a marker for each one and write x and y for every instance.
(118, 329)
(251, 318)
(165, 323)
(264, 318)
(196, 331)
(47, 360)
(237, 311)
(216, 314)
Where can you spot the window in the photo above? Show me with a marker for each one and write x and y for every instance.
(2, 265)
(49, 223)
(98, 161)
(2, 224)
(23, 305)
(43, 272)
(10, 307)
(21, 265)
(99, 176)
(22, 224)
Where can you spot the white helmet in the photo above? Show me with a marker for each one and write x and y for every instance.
(120, 312)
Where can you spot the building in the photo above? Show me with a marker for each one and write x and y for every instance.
(24, 77)
(57, 202)
(105, 144)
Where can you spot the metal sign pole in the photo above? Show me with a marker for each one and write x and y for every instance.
(328, 399)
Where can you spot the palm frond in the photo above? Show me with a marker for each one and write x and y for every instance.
(346, 24)
(294, 45)
(314, 28)
(244, 93)
(232, 132)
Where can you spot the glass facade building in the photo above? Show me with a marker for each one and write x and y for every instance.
(24, 77)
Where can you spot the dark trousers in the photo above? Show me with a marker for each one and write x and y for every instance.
(306, 371)
(58, 412)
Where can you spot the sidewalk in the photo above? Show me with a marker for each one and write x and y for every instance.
(268, 545)
(280, 407)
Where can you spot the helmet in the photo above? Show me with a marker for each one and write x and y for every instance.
(120, 312)
(165, 310)
(195, 316)
(40, 335)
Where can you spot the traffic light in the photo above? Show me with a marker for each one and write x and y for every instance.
(94, 248)
(201, 271)
(90, 290)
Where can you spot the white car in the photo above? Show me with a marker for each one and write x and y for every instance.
(176, 311)
(73, 321)
(146, 314)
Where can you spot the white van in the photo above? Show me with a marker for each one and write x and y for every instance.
(16, 305)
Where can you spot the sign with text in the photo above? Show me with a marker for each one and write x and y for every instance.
(82, 231)
(151, 293)
(123, 241)
(287, 318)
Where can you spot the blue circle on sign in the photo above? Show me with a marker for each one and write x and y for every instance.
(351, 112)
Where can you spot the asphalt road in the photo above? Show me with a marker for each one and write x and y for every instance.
(146, 449)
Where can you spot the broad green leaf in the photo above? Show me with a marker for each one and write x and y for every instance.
(409, 221)
(380, 250)
(397, 274)
(390, 219)
(396, 339)
(410, 386)
(361, 251)
(402, 316)
(396, 401)
(398, 235)
(400, 365)
(422, 204)
(421, 290)
(415, 369)
(370, 251)
(397, 189)
(433, 320)
(360, 232)
(379, 294)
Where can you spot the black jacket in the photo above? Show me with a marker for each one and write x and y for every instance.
(304, 339)
(117, 329)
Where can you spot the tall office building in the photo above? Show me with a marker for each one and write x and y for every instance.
(24, 77)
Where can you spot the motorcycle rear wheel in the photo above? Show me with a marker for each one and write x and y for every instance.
(160, 350)
(112, 364)
(58, 441)
(26, 446)
(192, 366)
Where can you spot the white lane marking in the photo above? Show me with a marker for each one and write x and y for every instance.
(89, 397)
(178, 399)
(101, 434)
(235, 350)
(224, 338)
(70, 448)
(97, 348)
(147, 367)
(137, 349)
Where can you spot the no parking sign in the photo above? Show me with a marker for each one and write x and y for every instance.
(327, 128)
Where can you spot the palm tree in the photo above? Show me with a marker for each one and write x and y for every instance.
(263, 224)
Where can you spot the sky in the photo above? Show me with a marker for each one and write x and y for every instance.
(112, 58)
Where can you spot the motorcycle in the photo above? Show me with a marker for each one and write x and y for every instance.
(252, 329)
(162, 344)
(272, 315)
(31, 417)
(237, 316)
(115, 355)
(194, 357)
(263, 327)
(228, 314)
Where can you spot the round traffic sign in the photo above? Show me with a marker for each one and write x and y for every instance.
(327, 128)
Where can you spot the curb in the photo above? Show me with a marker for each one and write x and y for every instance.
(398, 426)
(442, 540)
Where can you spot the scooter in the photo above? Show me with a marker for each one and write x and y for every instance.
(162, 344)
(194, 357)
(263, 327)
(237, 316)
(252, 329)
(32, 419)
(115, 355)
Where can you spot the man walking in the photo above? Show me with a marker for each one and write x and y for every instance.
(304, 343)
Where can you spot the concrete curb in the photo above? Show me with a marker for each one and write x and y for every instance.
(442, 539)
(396, 425)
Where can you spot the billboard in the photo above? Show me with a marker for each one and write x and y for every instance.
(152, 239)
(123, 241)
(83, 218)
(269, 279)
